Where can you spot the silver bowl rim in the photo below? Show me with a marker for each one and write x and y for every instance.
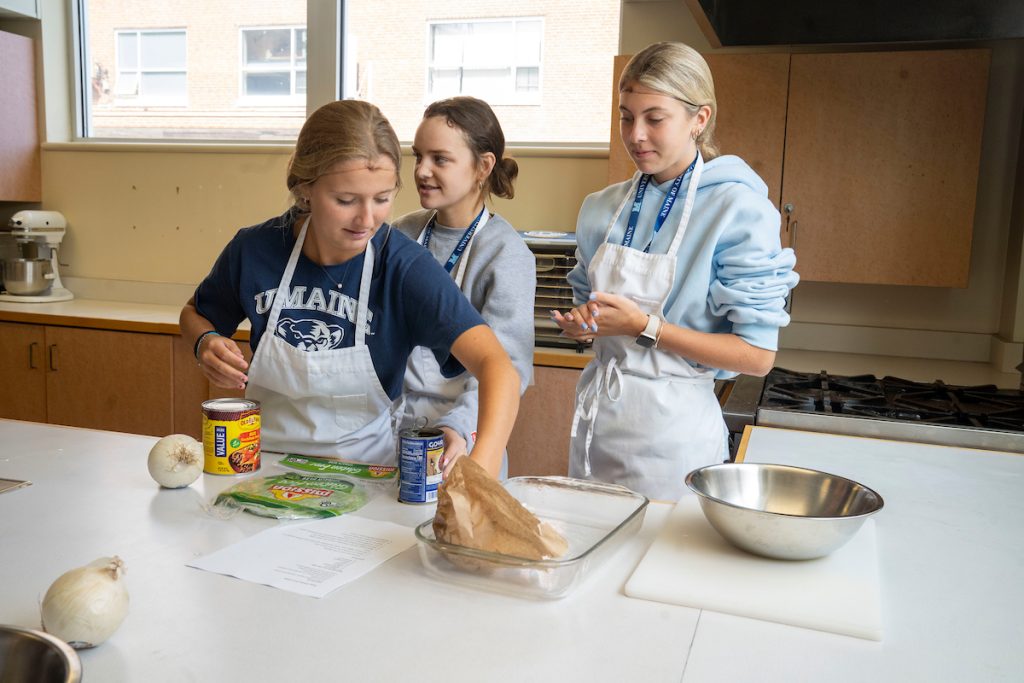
(27, 260)
(74, 662)
(769, 465)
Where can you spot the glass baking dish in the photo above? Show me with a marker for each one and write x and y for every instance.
(594, 518)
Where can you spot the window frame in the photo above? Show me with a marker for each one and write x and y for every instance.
(142, 99)
(68, 120)
(292, 98)
(511, 97)
(325, 23)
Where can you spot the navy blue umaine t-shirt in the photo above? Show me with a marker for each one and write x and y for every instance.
(413, 301)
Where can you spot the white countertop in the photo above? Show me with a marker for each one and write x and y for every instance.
(92, 496)
(949, 546)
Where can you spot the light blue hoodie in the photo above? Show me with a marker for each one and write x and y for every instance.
(732, 274)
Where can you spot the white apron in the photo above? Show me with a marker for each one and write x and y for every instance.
(326, 403)
(644, 417)
(428, 393)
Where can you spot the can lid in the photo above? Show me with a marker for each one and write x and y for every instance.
(230, 404)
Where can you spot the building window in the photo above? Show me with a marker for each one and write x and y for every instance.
(247, 65)
(498, 60)
(151, 67)
(274, 64)
(246, 69)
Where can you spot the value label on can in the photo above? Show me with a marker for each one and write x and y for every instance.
(419, 464)
(231, 436)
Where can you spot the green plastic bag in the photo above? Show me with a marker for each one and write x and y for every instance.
(295, 496)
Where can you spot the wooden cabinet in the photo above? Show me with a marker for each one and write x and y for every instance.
(22, 373)
(539, 444)
(20, 178)
(100, 379)
(191, 388)
(876, 153)
(881, 164)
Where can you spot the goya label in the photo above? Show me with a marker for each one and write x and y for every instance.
(419, 459)
(356, 470)
(293, 495)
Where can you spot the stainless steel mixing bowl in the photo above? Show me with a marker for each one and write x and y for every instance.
(27, 276)
(28, 656)
(782, 512)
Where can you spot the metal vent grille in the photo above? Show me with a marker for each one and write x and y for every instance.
(553, 291)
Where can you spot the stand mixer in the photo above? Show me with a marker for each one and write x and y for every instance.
(34, 277)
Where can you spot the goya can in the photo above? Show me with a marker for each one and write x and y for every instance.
(231, 436)
(419, 464)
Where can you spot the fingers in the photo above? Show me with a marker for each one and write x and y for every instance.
(223, 363)
(580, 320)
(448, 461)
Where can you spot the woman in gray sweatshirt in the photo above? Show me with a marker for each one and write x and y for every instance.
(459, 151)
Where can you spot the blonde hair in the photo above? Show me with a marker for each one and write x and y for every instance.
(679, 71)
(340, 131)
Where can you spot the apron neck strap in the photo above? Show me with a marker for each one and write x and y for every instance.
(460, 255)
(282, 287)
(363, 305)
(691, 194)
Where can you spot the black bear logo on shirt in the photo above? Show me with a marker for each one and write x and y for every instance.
(310, 335)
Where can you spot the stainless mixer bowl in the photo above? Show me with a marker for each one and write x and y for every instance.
(28, 656)
(27, 276)
(782, 512)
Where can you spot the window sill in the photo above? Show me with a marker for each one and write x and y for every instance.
(252, 147)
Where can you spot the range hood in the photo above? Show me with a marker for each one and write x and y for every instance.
(822, 22)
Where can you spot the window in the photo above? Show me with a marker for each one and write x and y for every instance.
(151, 67)
(230, 71)
(547, 75)
(274, 63)
(498, 60)
(251, 71)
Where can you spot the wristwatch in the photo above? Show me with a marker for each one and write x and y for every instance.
(649, 337)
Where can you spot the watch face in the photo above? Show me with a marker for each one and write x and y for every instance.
(645, 341)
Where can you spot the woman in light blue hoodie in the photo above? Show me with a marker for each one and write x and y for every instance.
(680, 279)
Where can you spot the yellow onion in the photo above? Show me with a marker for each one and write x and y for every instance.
(85, 605)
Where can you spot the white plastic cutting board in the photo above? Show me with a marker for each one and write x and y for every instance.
(690, 564)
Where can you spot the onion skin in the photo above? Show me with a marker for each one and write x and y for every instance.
(85, 605)
(176, 461)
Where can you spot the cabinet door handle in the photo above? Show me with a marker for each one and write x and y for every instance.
(53, 357)
(788, 209)
(32, 355)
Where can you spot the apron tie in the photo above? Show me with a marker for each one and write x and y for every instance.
(610, 379)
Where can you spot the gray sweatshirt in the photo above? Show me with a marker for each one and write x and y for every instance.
(500, 281)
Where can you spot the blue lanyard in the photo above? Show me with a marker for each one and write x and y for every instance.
(463, 241)
(638, 200)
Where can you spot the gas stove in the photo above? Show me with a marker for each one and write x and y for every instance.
(889, 407)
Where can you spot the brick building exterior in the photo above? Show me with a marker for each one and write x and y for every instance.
(389, 40)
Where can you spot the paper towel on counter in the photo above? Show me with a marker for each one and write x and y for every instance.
(690, 564)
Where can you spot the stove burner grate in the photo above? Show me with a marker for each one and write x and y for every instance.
(895, 398)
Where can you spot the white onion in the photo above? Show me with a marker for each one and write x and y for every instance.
(84, 606)
(176, 461)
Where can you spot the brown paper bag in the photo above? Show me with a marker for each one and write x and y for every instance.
(476, 511)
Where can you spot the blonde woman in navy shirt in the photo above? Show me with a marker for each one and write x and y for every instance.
(337, 300)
